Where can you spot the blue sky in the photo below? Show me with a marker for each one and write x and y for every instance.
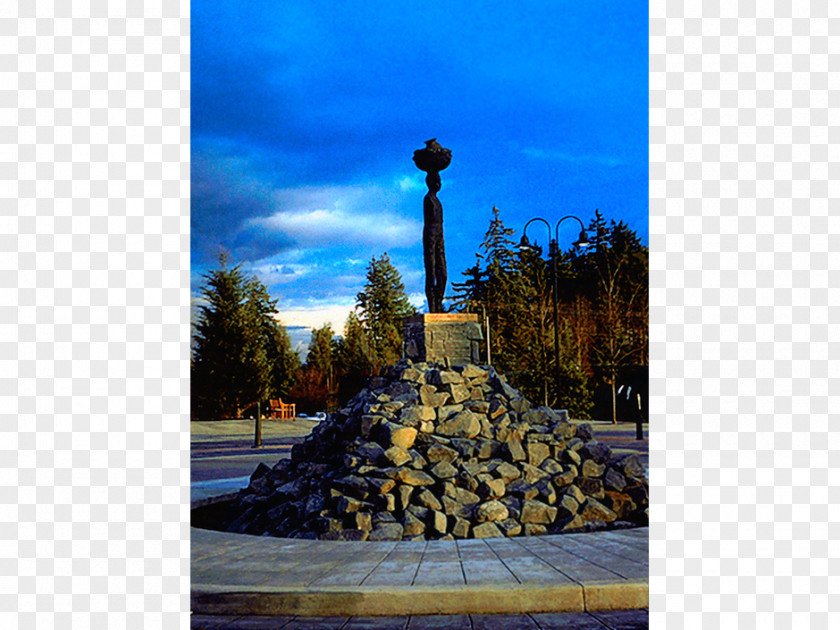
(305, 117)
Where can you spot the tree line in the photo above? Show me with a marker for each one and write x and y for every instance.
(602, 295)
(242, 353)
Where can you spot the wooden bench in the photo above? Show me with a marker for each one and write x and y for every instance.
(280, 410)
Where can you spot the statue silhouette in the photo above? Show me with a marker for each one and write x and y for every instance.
(433, 159)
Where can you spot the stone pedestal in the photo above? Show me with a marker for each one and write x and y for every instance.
(445, 338)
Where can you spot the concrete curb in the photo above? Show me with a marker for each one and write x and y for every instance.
(430, 600)
(590, 590)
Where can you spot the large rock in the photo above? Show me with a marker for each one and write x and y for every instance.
(594, 510)
(398, 435)
(439, 453)
(537, 512)
(413, 416)
(491, 488)
(428, 499)
(592, 469)
(491, 511)
(386, 531)
(486, 530)
(464, 425)
(412, 477)
(427, 451)
(397, 455)
(431, 397)
(537, 453)
(443, 470)
(412, 526)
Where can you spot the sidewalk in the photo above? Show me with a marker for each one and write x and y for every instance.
(236, 575)
(247, 575)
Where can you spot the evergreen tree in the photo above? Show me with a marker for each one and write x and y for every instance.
(353, 358)
(354, 351)
(315, 388)
(241, 354)
(530, 326)
(382, 306)
(320, 355)
(470, 295)
(286, 363)
(615, 271)
(229, 366)
(515, 289)
(602, 312)
(260, 309)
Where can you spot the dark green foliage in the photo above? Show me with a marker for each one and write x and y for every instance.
(315, 389)
(354, 357)
(286, 364)
(615, 271)
(602, 311)
(382, 306)
(241, 353)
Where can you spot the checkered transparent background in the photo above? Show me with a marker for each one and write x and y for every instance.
(744, 222)
(94, 281)
(94, 276)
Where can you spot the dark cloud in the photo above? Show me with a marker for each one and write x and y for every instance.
(225, 193)
(306, 113)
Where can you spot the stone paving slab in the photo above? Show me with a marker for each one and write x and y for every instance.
(608, 620)
(238, 574)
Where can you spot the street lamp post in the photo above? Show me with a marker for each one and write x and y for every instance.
(553, 252)
(258, 429)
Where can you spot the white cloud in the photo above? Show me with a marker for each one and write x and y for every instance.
(279, 274)
(317, 316)
(411, 183)
(417, 300)
(329, 215)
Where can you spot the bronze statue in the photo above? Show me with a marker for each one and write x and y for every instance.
(433, 159)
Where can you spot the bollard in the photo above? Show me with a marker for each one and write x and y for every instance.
(639, 434)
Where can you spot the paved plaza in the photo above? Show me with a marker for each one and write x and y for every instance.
(588, 580)
(237, 574)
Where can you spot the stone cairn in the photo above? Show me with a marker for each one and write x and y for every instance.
(428, 452)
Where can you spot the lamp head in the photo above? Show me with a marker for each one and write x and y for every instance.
(525, 244)
(583, 240)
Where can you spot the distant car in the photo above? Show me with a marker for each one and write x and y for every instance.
(320, 416)
(303, 416)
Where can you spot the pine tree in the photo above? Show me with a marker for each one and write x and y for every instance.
(382, 306)
(320, 355)
(228, 370)
(286, 363)
(470, 296)
(315, 388)
(353, 358)
(354, 350)
(616, 272)
(242, 355)
(515, 289)
(602, 311)
(530, 323)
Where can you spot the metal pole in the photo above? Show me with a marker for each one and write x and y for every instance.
(552, 251)
(487, 329)
(582, 241)
(258, 429)
(487, 326)
(639, 434)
